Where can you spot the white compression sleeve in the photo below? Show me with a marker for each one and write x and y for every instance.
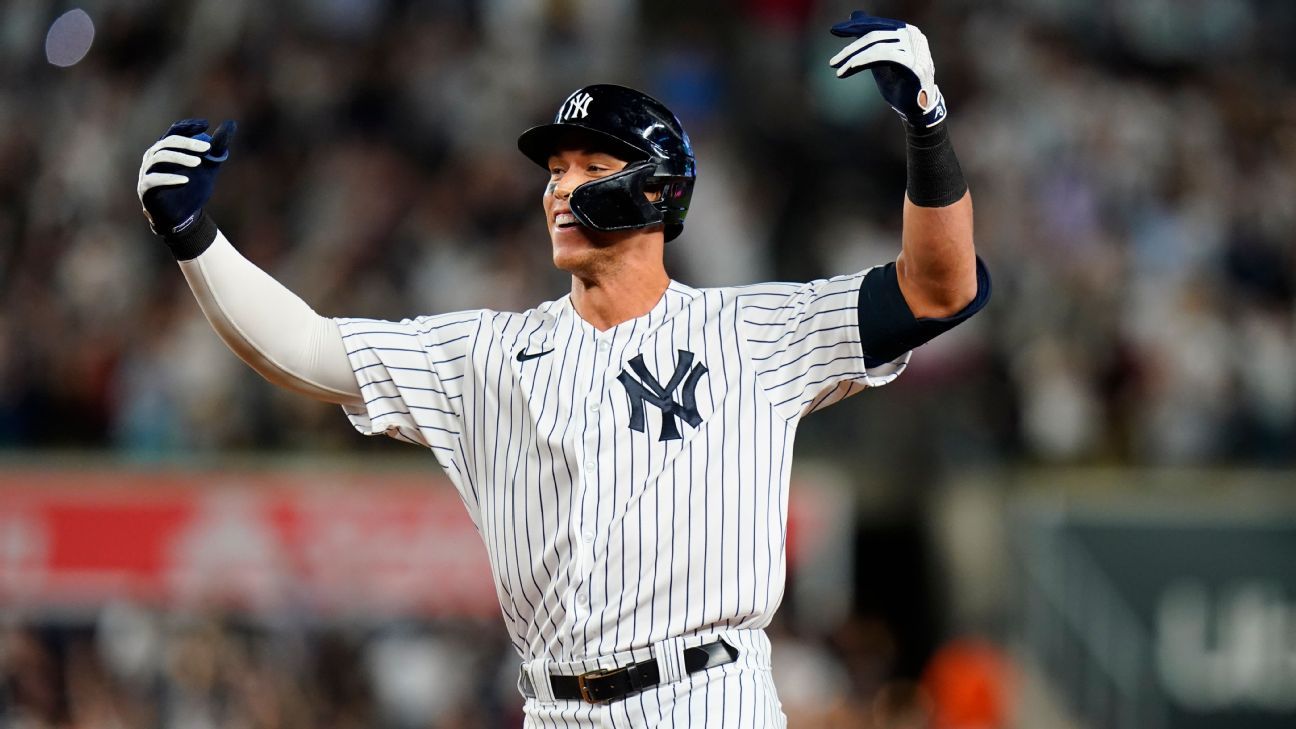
(270, 327)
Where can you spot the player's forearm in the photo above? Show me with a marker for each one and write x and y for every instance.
(269, 327)
(936, 268)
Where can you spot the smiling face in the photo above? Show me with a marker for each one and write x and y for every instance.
(577, 249)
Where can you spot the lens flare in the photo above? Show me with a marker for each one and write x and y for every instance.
(69, 38)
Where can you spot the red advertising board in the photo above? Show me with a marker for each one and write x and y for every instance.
(259, 540)
(332, 542)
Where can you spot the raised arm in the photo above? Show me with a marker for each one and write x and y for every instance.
(937, 268)
(266, 325)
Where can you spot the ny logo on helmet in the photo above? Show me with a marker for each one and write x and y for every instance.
(577, 106)
(648, 389)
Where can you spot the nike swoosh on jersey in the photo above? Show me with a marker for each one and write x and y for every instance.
(523, 355)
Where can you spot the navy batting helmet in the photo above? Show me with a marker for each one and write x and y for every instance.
(634, 127)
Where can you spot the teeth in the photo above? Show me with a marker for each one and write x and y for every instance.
(565, 219)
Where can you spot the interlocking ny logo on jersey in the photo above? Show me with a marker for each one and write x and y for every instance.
(648, 389)
(577, 106)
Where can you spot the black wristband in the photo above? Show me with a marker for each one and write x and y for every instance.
(934, 176)
(193, 240)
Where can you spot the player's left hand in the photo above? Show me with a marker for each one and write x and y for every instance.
(902, 66)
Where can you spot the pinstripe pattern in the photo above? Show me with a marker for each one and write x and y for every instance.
(603, 539)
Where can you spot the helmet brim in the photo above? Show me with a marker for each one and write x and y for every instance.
(540, 143)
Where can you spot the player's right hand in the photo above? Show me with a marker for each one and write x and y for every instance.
(178, 173)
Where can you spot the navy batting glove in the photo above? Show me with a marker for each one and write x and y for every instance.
(178, 173)
(897, 54)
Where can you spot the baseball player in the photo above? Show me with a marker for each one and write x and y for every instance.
(624, 450)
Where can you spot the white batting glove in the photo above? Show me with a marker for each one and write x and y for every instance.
(897, 54)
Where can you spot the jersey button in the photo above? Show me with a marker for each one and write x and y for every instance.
(588, 536)
(594, 406)
(582, 599)
(604, 346)
(590, 465)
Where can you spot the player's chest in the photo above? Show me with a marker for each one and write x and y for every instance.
(659, 387)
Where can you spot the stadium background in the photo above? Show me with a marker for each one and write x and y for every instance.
(1072, 512)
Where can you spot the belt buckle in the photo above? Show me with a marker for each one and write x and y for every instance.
(586, 696)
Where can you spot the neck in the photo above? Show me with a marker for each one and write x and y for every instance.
(618, 293)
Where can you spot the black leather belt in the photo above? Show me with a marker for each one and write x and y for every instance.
(611, 684)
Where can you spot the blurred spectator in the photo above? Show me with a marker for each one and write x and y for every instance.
(970, 685)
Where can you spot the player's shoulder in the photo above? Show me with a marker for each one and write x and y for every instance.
(773, 301)
(843, 281)
(537, 318)
(543, 310)
(770, 293)
(428, 327)
(735, 292)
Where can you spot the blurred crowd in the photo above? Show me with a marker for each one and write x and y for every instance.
(135, 668)
(132, 667)
(1133, 166)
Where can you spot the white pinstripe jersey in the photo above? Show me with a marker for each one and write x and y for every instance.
(630, 485)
